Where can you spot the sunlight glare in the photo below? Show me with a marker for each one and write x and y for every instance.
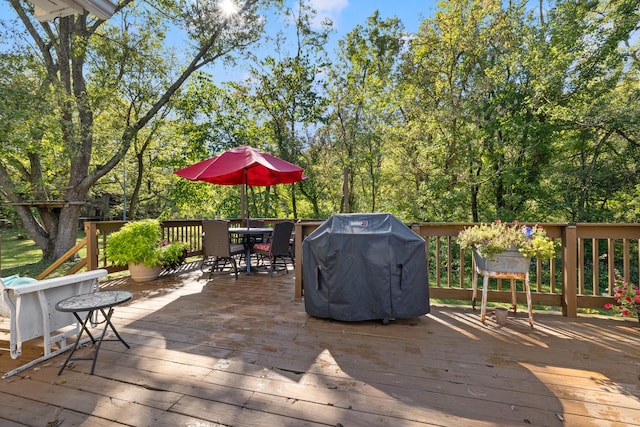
(228, 8)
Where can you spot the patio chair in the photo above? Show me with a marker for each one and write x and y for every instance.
(31, 312)
(254, 223)
(277, 248)
(217, 249)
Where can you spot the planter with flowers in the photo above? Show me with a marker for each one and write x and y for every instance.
(505, 251)
(506, 247)
(139, 246)
(626, 297)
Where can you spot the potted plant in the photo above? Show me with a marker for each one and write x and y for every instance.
(626, 297)
(139, 246)
(504, 247)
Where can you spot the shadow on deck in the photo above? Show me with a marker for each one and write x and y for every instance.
(244, 352)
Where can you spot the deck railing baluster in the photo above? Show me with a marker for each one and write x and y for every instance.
(568, 290)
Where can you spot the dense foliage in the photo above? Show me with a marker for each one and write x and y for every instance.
(626, 297)
(140, 242)
(492, 239)
(491, 110)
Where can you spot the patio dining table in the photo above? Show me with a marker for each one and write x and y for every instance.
(249, 235)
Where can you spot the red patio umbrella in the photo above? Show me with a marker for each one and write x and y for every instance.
(243, 165)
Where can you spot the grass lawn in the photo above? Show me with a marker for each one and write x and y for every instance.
(20, 255)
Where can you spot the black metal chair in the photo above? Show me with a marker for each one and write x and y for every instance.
(254, 223)
(277, 249)
(217, 249)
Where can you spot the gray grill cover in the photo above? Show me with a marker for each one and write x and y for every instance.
(365, 267)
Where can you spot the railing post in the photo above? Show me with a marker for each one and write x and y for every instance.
(299, 230)
(91, 233)
(570, 274)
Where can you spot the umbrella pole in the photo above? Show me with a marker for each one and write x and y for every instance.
(246, 196)
(246, 192)
(243, 203)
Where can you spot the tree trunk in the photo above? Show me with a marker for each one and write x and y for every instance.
(63, 47)
(293, 201)
(135, 195)
(67, 230)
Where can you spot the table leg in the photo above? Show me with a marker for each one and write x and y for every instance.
(84, 324)
(474, 289)
(527, 286)
(97, 342)
(107, 324)
(483, 309)
(113, 328)
(83, 328)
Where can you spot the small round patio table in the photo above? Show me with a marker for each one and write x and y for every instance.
(91, 303)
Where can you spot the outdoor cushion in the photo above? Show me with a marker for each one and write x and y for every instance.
(236, 248)
(16, 280)
(264, 247)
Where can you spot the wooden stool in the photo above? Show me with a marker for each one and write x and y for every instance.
(500, 275)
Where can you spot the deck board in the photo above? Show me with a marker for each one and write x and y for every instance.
(244, 353)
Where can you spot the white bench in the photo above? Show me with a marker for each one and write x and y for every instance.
(33, 313)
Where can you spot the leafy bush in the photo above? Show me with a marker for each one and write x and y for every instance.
(172, 254)
(491, 239)
(626, 296)
(141, 242)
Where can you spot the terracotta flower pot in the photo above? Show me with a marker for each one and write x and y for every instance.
(142, 273)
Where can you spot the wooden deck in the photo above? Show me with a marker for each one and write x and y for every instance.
(244, 353)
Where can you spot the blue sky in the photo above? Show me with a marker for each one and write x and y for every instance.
(346, 14)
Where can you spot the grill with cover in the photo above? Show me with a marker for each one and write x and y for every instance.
(365, 267)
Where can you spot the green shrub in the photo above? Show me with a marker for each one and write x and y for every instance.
(141, 242)
(494, 238)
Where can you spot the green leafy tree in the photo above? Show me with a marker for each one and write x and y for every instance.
(364, 107)
(58, 160)
(587, 90)
(445, 70)
(287, 93)
(212, 119)
(521, 119)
